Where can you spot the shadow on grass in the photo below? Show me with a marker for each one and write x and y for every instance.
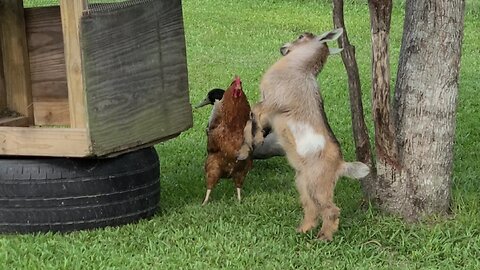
(182, 174)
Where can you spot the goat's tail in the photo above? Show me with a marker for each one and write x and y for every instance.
(354, 169)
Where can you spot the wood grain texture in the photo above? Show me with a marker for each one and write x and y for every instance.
(18, 121)
(3, 93)
(31, 141)
(71, 12)
(46, 51)
(47, 66)
(15, 58)
(135, 74)
(54, 112)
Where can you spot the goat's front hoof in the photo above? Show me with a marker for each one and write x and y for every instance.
(258, 140)
(243, 153)
(304, 228)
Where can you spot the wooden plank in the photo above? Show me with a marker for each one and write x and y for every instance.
(32, 141)
(17, 121)
(172, 50)
(15, 58)
(71, 12)
(46, 51)
(53, 112)
(3, 93)
(47, 66)
(137, 147)
(135, 74)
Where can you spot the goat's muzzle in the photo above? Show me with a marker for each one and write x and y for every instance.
(284, 50)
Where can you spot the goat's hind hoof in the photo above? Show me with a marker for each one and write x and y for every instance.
(323, 237)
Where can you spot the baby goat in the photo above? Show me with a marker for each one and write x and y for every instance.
(291, 104)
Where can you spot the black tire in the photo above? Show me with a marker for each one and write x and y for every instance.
(68, 194)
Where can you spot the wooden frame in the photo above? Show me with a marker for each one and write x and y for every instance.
(14, 121)
(44, 141)
(59, 84)
(71, 14)
(15, 57)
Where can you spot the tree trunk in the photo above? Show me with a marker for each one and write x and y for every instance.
(360, 134)
(418, 182)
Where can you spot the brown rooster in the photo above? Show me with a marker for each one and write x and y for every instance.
(225, 137)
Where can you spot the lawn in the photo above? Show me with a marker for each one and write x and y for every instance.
(227, 37)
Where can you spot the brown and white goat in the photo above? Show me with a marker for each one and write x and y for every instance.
(291, 104)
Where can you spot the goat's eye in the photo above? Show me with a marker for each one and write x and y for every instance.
(300, 37)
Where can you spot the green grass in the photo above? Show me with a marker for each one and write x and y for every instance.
(229, 37)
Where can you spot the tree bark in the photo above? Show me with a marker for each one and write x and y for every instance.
(360, 133)
(418, 183)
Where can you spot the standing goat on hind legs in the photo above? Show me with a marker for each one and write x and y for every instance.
(291, 104)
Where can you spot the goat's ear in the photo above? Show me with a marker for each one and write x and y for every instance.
(330, 36)
(335, 50)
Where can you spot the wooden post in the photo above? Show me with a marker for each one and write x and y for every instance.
(15, 58)
(71, 11)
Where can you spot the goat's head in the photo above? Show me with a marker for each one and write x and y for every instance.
(311, 51)
(306, 39)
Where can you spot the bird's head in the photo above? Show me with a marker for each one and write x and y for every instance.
(235, 107)
(236, 87)
(212, 96)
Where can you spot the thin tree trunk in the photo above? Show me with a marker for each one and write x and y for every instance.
(360, 134)
(424, 111)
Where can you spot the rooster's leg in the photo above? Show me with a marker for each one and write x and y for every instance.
(207, 197)
(238, 182)
(213, 174)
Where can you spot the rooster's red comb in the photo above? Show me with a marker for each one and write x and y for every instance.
(238, 82)
(237, 87)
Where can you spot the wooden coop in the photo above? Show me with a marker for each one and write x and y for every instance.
(86, 79)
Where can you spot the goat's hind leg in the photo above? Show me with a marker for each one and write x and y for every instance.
(310, 207)
(331, 218)
(330, 213)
